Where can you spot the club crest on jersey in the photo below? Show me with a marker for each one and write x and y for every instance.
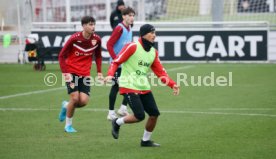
(93, 42)
(72, 85)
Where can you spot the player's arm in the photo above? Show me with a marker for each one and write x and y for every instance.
(115, 36)
(98, 59)
(127, 51)
(64, 53)
(161, 73)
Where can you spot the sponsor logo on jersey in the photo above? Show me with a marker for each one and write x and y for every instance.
(143, 63)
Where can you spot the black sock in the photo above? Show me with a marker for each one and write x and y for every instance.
(112, 96)
(124, 101)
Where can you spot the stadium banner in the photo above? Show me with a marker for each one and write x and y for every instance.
(232, 45)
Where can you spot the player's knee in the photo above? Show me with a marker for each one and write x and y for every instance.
(154, 114)
(140, 116)
(75, 100)
(153, 118)
(82, 103)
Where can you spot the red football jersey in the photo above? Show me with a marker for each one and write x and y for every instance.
(77, 54)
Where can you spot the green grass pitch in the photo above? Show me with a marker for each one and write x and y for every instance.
(201, 123)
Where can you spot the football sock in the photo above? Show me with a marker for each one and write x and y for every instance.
(146, 136)
(120, 121)
(68, 121)
(111, 111)
(123, 107)
(65, 105)
(112, 96)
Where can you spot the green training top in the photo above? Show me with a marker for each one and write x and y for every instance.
(135, 69)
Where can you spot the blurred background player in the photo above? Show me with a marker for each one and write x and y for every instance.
(75, 61)
(121, 35)
(116, 15)
(137, 58)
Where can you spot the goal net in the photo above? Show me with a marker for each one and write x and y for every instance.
(158, 10)
(204, 10)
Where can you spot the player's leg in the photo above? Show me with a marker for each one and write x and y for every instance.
(71, 87)
(122, 111)
(153, 112)
(137, 108)
(74, 94)
(135, 104)
(84, 91)
(73, 103)
(62, 113)
(78, 99)
(113, 95)
(83, 100)
(151, 109)
(124, 102)
(112, 99)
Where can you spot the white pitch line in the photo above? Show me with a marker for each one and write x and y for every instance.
(164, 111)
(240, 109)
(220, 113)
(180, 68)
(54, 89)
(27, 109)
(30, 93)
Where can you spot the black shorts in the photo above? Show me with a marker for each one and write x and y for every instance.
(80, 84)
(142, 102)
(116, 76)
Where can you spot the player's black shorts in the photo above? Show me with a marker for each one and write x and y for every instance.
(117, 75)
(81, 84)
(142, 102)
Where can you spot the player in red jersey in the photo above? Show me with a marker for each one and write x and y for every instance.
(75, 61)
(121, 35)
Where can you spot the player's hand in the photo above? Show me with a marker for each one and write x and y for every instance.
(67, 77)
(108, 79)
(100, 76)
(176, 90)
